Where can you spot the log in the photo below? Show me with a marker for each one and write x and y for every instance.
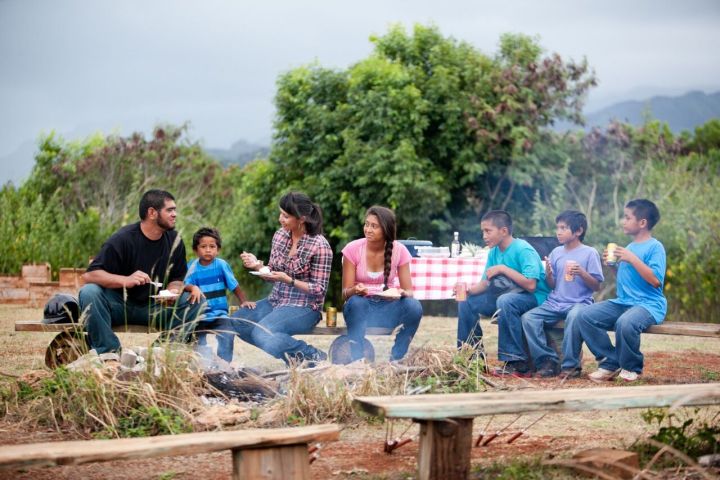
(444, 451)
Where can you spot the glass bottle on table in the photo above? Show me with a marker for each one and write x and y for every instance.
(455, 245)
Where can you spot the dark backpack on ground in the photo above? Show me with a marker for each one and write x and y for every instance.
(61, 308)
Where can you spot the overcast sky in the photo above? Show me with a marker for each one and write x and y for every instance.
(91, 65)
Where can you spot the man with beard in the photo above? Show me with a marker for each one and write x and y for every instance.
(134, 265)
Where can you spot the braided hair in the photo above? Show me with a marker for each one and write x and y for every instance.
(388, 225)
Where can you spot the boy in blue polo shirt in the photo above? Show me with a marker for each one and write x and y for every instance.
(211, 276)
(516, 260)
(640, 302)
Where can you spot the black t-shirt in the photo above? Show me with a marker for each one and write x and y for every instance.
(129, 250)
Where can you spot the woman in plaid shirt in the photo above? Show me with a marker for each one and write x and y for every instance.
(300, 262)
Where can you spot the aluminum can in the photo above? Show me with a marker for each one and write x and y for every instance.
(232, 309)
(461, 291)
(611, 258)
(331, 317)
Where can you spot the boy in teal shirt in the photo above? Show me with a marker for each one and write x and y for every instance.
(517, 261)
(640, 302)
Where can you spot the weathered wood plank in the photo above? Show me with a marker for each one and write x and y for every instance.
(689, 329)
(88, 451)
(280, 463)
(467, 405)
(38, 326)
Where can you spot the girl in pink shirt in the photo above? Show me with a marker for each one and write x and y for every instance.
(376, 285)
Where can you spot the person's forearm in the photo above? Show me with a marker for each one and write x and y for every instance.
(240, 294)
(105, 279)
(591, 282)
(527, 284)
(550, 280)
(478, 288)
(646, 273)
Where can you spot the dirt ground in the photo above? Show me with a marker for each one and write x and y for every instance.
(359, 453)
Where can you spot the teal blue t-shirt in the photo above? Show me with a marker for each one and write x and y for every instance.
(632, 289)
(521, 257)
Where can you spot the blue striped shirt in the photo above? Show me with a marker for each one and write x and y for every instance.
(213, 280)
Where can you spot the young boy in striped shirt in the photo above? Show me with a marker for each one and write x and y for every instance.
(208, 278)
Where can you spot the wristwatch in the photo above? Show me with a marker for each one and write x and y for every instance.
(292, 283)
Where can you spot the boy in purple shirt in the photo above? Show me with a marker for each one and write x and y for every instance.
(574, 272)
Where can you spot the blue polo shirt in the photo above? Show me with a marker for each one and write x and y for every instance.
(521, 257)
(213, 279)
(633, 290)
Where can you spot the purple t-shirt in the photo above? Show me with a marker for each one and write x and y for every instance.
(566, 294)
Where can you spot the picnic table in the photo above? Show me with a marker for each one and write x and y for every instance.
(435, 278)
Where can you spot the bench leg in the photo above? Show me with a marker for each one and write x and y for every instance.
(445, 446)
(272, 463)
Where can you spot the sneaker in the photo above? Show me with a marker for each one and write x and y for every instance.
(603, 375)
(628, 376)
(548, 369)
(570, 373)
(517, 368)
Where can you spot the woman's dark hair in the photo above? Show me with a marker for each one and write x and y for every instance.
(299, 205)
(388, 225)
(206, 232)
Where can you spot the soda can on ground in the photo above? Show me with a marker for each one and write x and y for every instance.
(331, 317)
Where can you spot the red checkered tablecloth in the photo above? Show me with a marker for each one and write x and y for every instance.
(435, 278)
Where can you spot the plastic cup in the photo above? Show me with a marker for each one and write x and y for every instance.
(569, 276)
(461, 291)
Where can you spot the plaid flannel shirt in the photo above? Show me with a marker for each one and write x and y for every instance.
(311, 264)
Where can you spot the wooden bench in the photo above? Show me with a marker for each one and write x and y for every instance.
(446, 419)
(276, 454)
(70, 338)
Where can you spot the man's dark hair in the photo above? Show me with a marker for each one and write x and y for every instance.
(499, 218)
(644, 209)
(153, 199)
(575, 220)
(206, 232)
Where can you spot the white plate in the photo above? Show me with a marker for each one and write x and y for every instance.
(165, 297)
(255, 272)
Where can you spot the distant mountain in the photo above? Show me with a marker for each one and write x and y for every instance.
(681, 113)
(240, 153)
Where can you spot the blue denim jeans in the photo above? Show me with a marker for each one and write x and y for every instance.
(271, 329)
(628, 322)
(510, 330)
(534, 323)
(224, 334)
(362, 312)
(105, 308)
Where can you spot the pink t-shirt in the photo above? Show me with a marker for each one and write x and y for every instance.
(355, 252)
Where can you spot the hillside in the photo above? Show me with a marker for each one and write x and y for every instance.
(681, 113)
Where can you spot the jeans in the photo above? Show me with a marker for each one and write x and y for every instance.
(534, 323)
(224, 334)
(105, 308)
(510, 330)
(271, 329)
(628, 321)
(362, 312)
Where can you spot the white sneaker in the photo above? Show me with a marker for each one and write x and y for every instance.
(628, 376)
(603, 375)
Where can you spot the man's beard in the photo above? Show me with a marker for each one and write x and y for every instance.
(165, 225)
